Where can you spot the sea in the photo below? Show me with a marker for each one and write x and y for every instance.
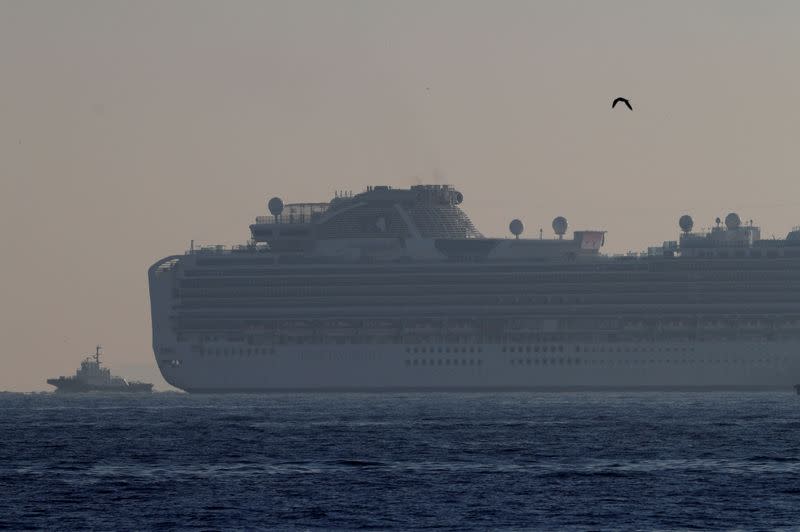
(471, 461)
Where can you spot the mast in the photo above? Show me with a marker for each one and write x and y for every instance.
(97, 354)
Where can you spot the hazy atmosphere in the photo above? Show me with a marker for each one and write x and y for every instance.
(129, 128)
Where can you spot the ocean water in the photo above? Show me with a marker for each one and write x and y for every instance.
(407, 461)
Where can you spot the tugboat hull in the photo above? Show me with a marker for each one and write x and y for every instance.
(67, 385)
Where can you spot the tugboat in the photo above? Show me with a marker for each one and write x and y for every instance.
(91, 377)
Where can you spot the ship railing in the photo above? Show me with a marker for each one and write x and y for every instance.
(296, 213)
(166, 266)
(220, 249)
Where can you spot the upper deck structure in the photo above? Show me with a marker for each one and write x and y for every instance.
(383, 223)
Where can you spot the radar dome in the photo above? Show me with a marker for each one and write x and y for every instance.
(516, 227)
(686, 223)
(275, 206)
(560, 225)
(732, 221)
(458, 197)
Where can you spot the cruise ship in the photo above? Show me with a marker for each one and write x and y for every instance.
(396, 289)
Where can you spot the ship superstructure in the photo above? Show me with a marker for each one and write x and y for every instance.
(397, 289)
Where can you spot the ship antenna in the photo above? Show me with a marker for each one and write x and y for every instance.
(97, 353)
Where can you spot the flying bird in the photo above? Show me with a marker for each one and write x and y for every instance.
(623, 100)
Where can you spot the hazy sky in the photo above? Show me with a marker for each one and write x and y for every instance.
(129, 128)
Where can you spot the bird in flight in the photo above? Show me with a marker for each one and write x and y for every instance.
(623, 100)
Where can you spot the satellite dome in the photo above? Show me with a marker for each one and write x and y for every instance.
(732, 221)
(516, 227)
(686, 223)
(560, 225)
(275, 206)
(458, 197)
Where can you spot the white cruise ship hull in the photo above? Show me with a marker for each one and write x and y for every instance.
(487, 367)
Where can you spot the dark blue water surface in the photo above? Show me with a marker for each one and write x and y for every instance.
(461, 461)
